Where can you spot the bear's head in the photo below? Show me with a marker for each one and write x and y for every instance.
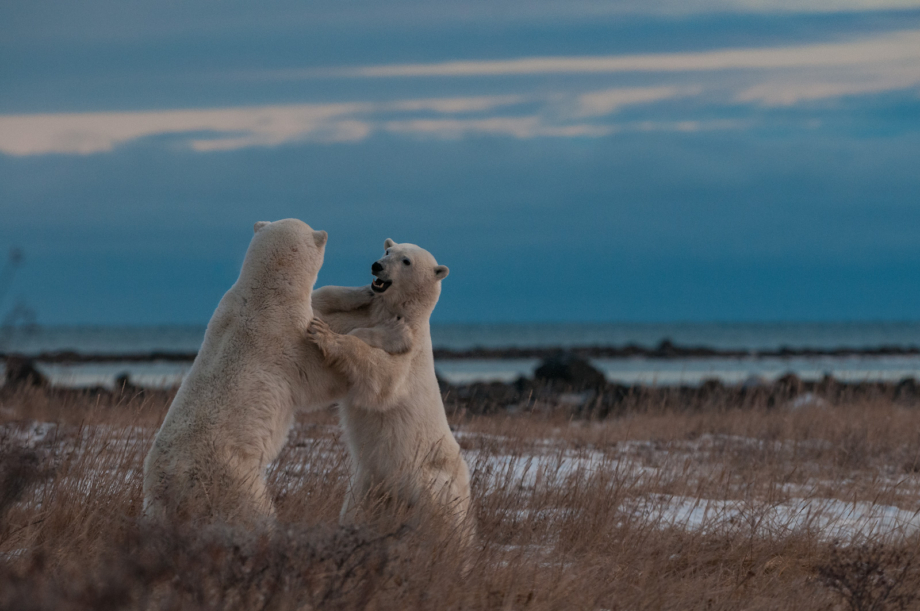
(407, 278)
(284, 258)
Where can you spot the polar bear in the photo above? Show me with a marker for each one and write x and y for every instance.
(233, 411)
(401, 447)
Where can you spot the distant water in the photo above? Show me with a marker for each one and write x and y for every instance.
(751, 336)
(107, 340)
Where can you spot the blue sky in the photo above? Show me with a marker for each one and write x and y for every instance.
(716, 160)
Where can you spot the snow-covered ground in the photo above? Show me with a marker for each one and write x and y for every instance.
(831, 519)
(638, 475)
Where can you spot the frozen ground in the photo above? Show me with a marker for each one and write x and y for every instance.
(648, 481)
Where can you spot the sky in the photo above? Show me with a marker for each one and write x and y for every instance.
(665, 160)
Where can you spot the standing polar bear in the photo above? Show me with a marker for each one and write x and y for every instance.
(393, 419)
(233, 411)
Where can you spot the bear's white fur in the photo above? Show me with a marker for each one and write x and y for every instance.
(401, 447)
(233, 411)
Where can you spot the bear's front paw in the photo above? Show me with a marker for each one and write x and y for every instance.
(398, 325)
(398, 335)
(321, 335)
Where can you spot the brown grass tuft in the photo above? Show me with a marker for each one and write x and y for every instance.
(662, 506)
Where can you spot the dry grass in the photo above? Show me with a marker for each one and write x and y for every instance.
(720, 507)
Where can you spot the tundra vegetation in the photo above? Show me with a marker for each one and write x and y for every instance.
(776, 497)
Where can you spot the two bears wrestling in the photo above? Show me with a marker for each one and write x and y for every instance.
(273, 345)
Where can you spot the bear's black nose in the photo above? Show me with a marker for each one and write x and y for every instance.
(376, 267)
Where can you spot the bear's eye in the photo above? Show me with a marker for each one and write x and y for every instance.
(407, 262)
(387, 252)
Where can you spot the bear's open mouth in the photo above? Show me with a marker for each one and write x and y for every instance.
(379, 286)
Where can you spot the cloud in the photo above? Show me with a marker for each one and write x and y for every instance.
(607, 101)
(685, 126)
(788, 90)
(517, 127)
(214, 129)
(886, 49)
(457, 105)
(223, 129)
(784, 76)
(218, 129)
(341, 130)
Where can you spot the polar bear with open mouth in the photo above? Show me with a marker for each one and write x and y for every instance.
(401, 447)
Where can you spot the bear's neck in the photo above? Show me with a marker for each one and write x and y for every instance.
(418, 307)
(414, 315)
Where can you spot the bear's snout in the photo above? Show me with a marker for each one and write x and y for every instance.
(376, 268)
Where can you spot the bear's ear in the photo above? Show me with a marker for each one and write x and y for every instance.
(388, 243)
(320, 238)
(441, 271)
(258, 226)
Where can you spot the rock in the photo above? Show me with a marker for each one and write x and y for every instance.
(666, 348)
(710, 386)
(789, 383)
(124, 385)
(570, 369)
(19, 468)
(828, 386)
(754, 381)
(443, 385)
(523, 385)
(907, 388)
(21, 371)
